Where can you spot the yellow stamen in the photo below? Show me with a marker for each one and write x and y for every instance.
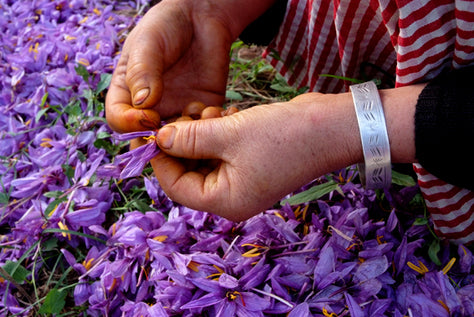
(114, 228)
(341, 179)
(305, 229)
(160, 238)
(194, 266)
(233, 296)
(297, 211)
(52, 211)
(351, 246)
(70, 38)
(218, 268)
(96, 11)
(87, 265)
(252, 253)
(449, 266)
(423, 266)
(279, 215)
(327, 314)
(114, 283)
(444, 305)
(84, 20)
(34, 49)
(97, 46)
(422, 269)
(215, 276)
(45, 142)
(464, 250)
(63, 226)
(145, 272)
(149, 138)
(84, 62)
(251, 245)
(379, 240)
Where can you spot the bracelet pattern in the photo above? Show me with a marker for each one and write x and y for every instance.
(377, 170)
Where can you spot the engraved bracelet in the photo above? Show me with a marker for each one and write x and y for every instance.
(377, 170)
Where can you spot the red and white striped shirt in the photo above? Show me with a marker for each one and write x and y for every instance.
(412, 39)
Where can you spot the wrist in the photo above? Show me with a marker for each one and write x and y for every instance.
(331, 126)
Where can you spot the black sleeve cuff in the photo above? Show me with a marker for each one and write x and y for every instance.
(444, 127)
(265, 28)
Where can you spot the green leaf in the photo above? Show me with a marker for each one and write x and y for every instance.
(4, 198)
(354, 80)
(54, 194)
(106, 145)
(44, 99)
(313, 193)
(433, 252)
(233, 95)
(402, 179)
(81, 70)
(54, 302)
(49, 245)
(102, 135)
(80, 234)
(17, 271)
(142, 206)
(53, 205)
(74, 109)
(282, 88)
(104, 82)
(420, 221)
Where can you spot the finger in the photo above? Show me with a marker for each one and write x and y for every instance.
(194, 109)
(200, 139)
(121, 116)
(212, 112)
(230, 111)
(124, 118)
(144, 63)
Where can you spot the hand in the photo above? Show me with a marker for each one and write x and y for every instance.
(179, 52)
(247, 161)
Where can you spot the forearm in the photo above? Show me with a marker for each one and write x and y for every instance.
(237, 14)
(333, 121)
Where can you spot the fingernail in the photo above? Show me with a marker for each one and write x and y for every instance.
(165, 137)
(140, 96)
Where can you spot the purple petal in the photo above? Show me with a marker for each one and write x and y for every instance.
(228, 281)
(204, 301)
(371, 268)
(301, 310)
(354, 308)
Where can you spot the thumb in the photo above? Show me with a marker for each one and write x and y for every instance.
(200, 139)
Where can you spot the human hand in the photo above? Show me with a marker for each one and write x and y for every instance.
(238, 165)
(179, 52)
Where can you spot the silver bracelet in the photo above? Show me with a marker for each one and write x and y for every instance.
(377, 170)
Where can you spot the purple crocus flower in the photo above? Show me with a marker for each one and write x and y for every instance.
(131, 164)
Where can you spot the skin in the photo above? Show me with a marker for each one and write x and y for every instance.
(241, 163)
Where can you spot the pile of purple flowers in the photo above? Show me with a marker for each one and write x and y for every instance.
(85, 228)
